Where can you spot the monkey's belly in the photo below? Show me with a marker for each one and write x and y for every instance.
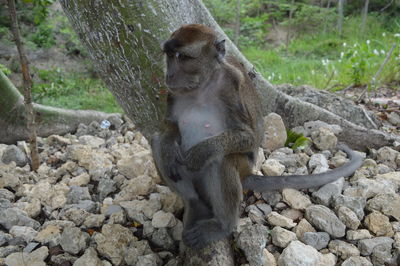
(198, 125)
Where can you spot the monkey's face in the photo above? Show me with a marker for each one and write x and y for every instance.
(191, 58)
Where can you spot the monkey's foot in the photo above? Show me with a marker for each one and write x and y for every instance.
(203, 233)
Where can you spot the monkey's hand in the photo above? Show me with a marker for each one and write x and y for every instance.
(172, 170)
(196, 157)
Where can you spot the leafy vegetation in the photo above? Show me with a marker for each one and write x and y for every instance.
(315, 54)
(296, 140)
(73, 91)
(288, 43)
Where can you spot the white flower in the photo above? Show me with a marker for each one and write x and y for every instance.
(340, 60)
(280, 77)
(383, 52)
(397, 35)
(384, 34)
(355, 45)
(344, 44)
(341, 55)
(312, 72)
(269, 77)
(376, 52)
(368, 41)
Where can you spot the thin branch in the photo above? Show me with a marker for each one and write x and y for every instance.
(375, 77)
(329, 80)
(27, 84)
(387, 6)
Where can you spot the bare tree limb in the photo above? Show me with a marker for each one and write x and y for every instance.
(27, 84)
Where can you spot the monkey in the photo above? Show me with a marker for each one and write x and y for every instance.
(211, 133)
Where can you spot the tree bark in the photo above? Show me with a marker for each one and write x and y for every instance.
(237, 24)
(123, 39)
(340, 17)
(364, 16)
(49, 120)
(27, 84)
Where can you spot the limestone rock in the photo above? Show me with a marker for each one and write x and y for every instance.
(388, 204)
(73, 240)
(252, 241)
(295, 199)
(343, 249)
(318, 240)
(297, 253)
(35, 258)
(282, 237)
(324, 139)
(378, 224)
(275, 218)
(275, 132)
(324, 219)
(272, 167)
(112, 241)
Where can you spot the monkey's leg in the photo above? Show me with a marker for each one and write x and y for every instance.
(181, 182)
(222, 188)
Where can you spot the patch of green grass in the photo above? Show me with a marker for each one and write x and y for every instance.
(73, 91)
(326, 60)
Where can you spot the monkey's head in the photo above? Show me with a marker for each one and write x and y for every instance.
(192, 53)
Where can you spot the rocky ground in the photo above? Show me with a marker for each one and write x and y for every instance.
(97, 200)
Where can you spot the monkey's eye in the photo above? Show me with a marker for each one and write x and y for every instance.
(170, 54)
(181, 56)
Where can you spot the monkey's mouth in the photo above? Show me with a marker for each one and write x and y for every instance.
(181, 90)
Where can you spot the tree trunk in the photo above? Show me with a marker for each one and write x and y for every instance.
(123, 39)
(364, 16)
(289, 31)
(340, 17)
(49, 120)
(237, 24)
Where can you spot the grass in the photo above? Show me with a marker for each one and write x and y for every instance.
(324, 60)
(73, 91)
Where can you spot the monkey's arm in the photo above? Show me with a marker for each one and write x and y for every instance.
(232, 141)
(265, 183)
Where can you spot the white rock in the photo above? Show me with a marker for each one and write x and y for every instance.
(282, 237)
(112, 242)
(25, 232)
(90, 258)
(275, 218)
(272, 167)
(35, 258)
(343, 249)
(295, 199)
(163, 219)
(298, 253)
(275, 132)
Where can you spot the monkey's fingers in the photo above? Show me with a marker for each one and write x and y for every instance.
(174, 173)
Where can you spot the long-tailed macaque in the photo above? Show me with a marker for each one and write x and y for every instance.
(213, 128)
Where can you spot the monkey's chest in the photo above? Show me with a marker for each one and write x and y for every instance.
(199, 122)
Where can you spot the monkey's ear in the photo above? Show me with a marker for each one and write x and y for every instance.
(220, 46)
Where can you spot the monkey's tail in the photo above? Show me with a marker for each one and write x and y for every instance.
(265, 183)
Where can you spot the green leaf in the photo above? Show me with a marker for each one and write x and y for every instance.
(296, 140)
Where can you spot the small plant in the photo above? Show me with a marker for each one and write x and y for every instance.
(5, 70)
(43, 37)
(296, 140)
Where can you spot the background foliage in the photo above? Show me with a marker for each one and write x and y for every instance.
(288, 41)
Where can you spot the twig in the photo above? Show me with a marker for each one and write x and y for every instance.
(329, 80)
(373, 80)
(27, 84)
(369, 118)
(385, 7)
